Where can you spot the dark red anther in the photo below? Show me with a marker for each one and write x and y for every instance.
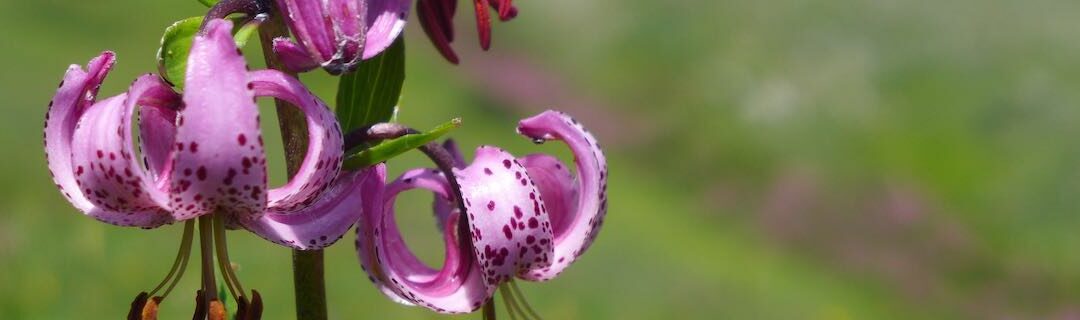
(483, 23)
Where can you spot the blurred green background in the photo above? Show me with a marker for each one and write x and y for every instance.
(788, 159)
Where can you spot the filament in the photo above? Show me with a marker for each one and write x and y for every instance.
(206, 247)
(177, 270)
(524, 302)
(508, 303)
(227, 272)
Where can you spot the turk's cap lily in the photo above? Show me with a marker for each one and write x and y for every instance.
(202, 151)
(337, 34)
(527, 218)
(436, 18)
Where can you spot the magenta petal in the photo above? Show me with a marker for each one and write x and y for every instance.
(325, 221)
(311, 27)
(508, 220)
(348, 18)
(66, 133)
(77, 91)
(294, 58)
(219, 164)
(103, 157)
(458, 287)
(582, 223)
(557, 186)
(385, 22)
(322, 161)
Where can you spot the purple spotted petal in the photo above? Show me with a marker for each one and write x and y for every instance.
(218, 164)
(111, 187)
(325, 221)
(508, 221)
(386, 20)
(322, 161)
(583, 222)
(458, 287)
(557, 185)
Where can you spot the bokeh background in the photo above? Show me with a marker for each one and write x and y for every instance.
(789, 159)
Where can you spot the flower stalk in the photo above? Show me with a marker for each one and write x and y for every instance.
(308, 272)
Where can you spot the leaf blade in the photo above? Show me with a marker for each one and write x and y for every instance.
(369, 94)
(393, 147)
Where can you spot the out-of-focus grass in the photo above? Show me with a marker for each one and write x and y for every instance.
(801, 159)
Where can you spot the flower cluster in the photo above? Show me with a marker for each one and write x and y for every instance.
(198, 158)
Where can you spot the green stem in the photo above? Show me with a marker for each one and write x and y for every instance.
(309, 283)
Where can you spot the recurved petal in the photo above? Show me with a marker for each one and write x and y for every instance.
(582, 223)
(89, 181)
(219, 164)
(322, 161)
(111, 179)
(457, 287)
(311, 26)
(294, 57)
(348, 18)
(326, 220)
(508, 220)
(557, 186)
(76, 92)
(385, 22)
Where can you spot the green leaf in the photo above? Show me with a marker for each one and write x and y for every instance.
(209, 3)
(369, 94)
(393, 147)
(176, 46)
(244, 32)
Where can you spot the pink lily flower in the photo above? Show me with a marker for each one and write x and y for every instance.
(202, 154)
(527, 218)
(337, 34)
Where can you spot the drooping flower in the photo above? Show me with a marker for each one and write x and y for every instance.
(202, 157)
(337, 34)
(436, 18)
(527, 217)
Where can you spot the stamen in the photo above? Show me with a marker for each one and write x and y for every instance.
(254, 310)
(217, 310)
(489, 309)
(227, 272)
(200, 306)
(524, 302)
(510, 309)
(181, 258)
(150, 310)
(206, 247)
(135, 313)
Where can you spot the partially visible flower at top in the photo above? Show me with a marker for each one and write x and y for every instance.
(436, 18)
(337, 34)
(202, 156)
(527, 217)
